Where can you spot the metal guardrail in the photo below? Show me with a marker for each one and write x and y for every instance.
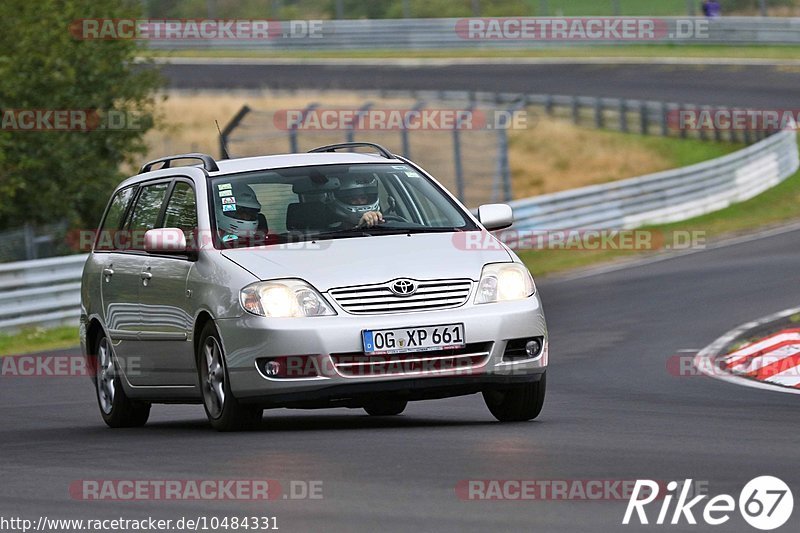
(46, 292)
(43, 292)
(439, 33)
(668, 196)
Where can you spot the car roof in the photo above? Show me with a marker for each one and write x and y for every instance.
(244, 164)
(267, 162)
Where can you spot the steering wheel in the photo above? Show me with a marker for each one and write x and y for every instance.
(394, 218)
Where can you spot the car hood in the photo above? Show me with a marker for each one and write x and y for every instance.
(366, 260)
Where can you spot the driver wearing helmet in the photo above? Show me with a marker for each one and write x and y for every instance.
(356, 201)
(239, 219)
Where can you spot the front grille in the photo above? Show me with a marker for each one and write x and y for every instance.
(380, 299)
(467, 360)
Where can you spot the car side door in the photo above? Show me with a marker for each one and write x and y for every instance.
(165, 303)
(127, 269)
(117, 276)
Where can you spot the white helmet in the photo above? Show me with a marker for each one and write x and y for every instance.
(355, 196)
(240, 217)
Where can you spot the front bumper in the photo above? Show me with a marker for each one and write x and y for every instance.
(248, 339)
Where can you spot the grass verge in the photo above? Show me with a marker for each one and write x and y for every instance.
(38, 339)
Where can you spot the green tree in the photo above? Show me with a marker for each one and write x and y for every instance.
(55, 175)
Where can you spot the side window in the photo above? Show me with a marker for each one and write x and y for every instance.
(145, 213)
(182, 210)
(109, 228)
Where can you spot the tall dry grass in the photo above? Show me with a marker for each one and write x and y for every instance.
(550, 155)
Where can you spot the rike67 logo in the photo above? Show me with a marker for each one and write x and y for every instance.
(765, 503)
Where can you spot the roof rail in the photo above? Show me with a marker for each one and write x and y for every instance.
(208, 162)
(341, 146)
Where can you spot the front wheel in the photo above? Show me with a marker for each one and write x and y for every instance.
(223, 410)
(117, 410)
(518, 404)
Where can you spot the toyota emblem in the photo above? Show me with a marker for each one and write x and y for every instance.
(404, 287)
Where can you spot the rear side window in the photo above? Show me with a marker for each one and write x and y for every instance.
(145, 213)
(182, 210)
(109, 229)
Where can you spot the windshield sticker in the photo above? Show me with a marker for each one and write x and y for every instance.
(229, 207)
(225, 193)
(412, 174)
(229, 200)
(399, 167)
(224, 186)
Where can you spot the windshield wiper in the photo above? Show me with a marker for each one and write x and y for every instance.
(378, 230)
(383, 229)
(340, 234)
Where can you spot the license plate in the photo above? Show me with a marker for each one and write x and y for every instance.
(417, 339)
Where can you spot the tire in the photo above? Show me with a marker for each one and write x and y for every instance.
(223, 410)
(117, 410)
(521, 403)
(386, 407)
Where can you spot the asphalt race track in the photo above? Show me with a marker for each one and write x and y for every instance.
(752, 85)
(613, 412)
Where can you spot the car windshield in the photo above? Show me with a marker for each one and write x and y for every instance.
(329, 202)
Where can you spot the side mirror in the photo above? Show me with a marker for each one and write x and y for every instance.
(165, 241)
(495, 216)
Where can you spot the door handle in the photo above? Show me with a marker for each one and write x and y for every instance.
(146, 275)
(108, 272)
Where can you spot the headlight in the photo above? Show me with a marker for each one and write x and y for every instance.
(502, 282)
(284, 299)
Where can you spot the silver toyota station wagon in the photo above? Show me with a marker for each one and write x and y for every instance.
(334, 278)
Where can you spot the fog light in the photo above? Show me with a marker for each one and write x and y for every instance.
(272, 368)
(533, 347)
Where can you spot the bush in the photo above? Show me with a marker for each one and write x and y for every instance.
(59, 175)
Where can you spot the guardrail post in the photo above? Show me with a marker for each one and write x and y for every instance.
(664, 120)
(717, 133)
(30, 242)
(503, 173)
(576, 110)
(623, 115)
(703, 134)
(404, 131)
(293, 145)
(459, 170)
(549, 105)
(228, 129)
(598, 113)
(644, 120)
(682, 131)
(351, 127)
